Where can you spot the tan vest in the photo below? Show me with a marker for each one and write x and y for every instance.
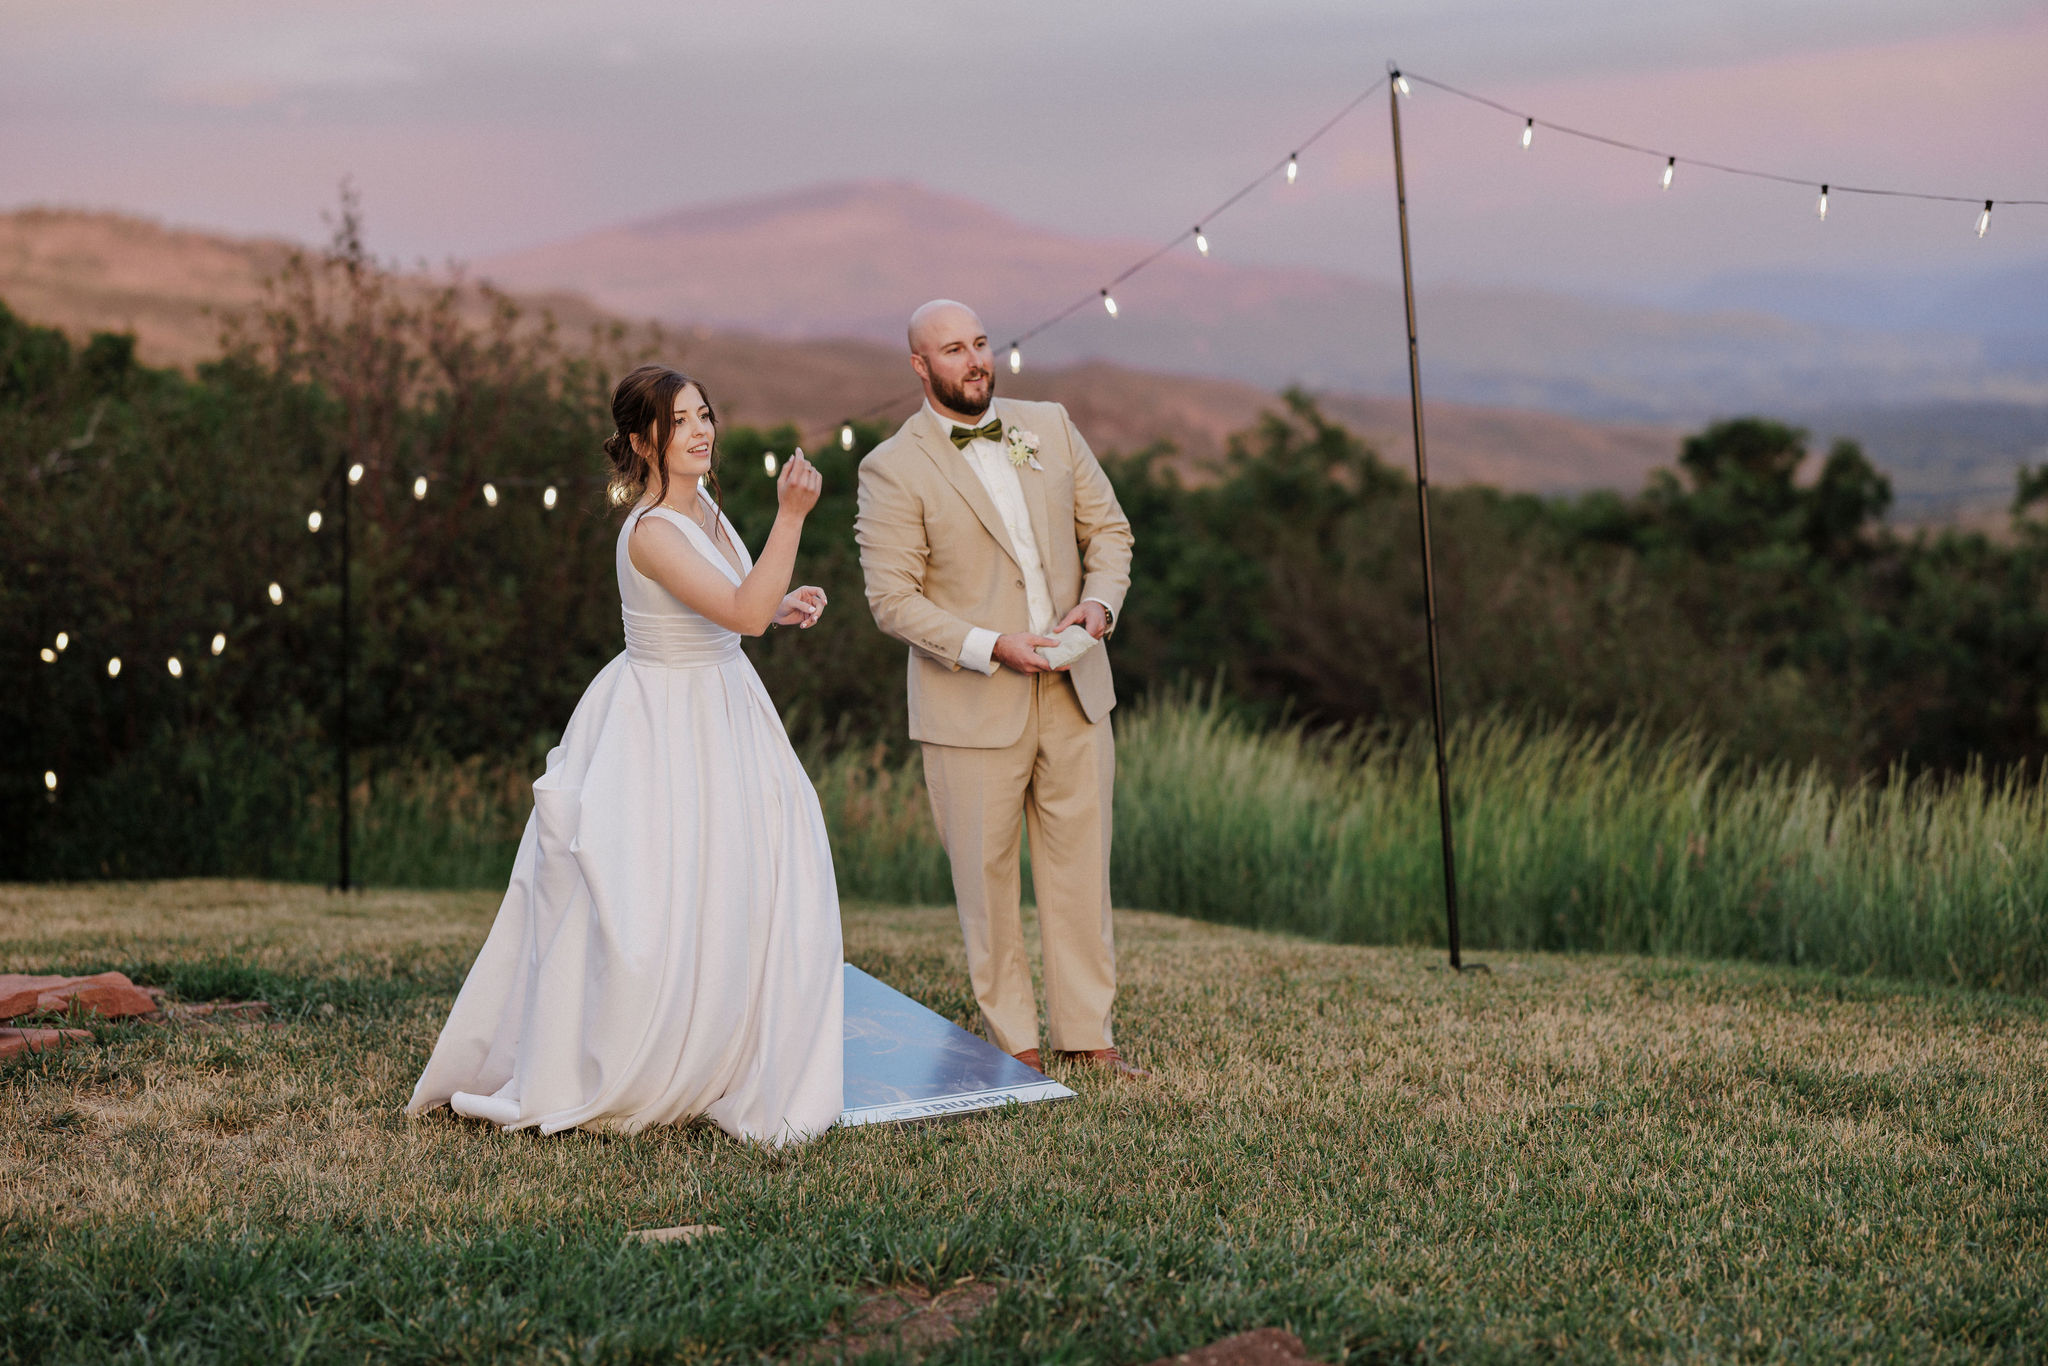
(938, 562)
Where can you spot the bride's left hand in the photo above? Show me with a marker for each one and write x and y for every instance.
(801, 608)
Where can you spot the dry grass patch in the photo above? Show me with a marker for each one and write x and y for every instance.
(1583, 1158)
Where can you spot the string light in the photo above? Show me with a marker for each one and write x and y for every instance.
(49, 655)
(1201, 242)
(490, 495)
(846, 437)
(1528, 132)
(313, 520)
(1670, 165)
(419, 488)
(1293, 166)
(49, 780)
(548, 496)
(63, 642)
(114, 667)
(276, 596)
(177, 669)
(220, 642)
(1016, 359)
(355, 474)
(1822, 208)
(768, 463)
(1984, 219)
(1109, 303)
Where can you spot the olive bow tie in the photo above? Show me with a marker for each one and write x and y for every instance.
(992, 430)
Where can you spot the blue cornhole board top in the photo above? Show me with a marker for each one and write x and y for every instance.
(906, 1062)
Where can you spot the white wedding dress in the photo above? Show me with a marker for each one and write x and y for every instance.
(669, 945)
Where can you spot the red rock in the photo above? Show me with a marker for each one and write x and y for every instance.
(107, 994)
(13, 1041)
(19, 992)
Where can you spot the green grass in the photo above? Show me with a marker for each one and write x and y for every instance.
(1576, 1158)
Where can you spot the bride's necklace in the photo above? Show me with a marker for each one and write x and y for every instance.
(696, 514)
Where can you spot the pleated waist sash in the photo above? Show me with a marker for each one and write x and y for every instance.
(671, 642)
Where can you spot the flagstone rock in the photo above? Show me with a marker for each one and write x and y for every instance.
(682, 1233)
(109, 995)
(14, 1041)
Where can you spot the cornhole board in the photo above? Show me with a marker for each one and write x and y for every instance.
(905, 1062)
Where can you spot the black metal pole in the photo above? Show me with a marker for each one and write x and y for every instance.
(1436, 683)
(347, 650)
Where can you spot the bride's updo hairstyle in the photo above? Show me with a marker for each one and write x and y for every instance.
(644, 405)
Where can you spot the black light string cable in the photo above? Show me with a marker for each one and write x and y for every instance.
(1101, 294)
(1286, 164)
(1530, 122)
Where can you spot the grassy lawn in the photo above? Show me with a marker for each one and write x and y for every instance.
(1572, 1158)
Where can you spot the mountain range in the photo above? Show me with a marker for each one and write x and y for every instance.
(852, 259)
(176, 288)
(791, 307)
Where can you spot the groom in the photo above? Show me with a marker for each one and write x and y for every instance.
(985, 528)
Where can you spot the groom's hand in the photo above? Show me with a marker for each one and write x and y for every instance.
(1019, 651)
(1093, 615)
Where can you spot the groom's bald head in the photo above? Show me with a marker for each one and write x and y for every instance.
(949, 350)
(939, 319)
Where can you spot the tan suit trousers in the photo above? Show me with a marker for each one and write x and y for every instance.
(1058, 777)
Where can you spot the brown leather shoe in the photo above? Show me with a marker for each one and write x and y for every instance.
(1108, 1059)
(1029, 1057)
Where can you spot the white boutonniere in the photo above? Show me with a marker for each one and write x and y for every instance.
(1023, 448)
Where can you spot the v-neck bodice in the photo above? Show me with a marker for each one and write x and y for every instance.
(661, 630)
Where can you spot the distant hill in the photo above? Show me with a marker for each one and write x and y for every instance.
(852, 259)
(174, 288)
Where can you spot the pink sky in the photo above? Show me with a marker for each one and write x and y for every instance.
(473, 128)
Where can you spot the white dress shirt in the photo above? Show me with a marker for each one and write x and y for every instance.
(990, 461)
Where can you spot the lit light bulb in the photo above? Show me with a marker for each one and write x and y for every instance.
(1984, 219)
(114, 667)
(1201, 242)
(1822, 208)
(355, 474)
(1109, 303)
(846, 437)
(419, 488)
(1670, 165)
(313, 520)
(1528, 132)
(220, 642)
(177, 669)
(49, 655)
(1293, 166)
(490, 495)
(49, 780)
(768, 463)
(548, 496)
(1016, 359)
(63, 642)
(1401, 84)
(276, 596)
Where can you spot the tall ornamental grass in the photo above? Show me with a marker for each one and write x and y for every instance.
(1565, 840)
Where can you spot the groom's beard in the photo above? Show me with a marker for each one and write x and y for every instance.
(971, 395)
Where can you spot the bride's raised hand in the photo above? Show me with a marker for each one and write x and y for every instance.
(798, 485)
(801, 608)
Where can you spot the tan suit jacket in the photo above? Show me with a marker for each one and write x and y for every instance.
(938, 562)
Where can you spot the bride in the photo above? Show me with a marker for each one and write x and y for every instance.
(669, 945)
